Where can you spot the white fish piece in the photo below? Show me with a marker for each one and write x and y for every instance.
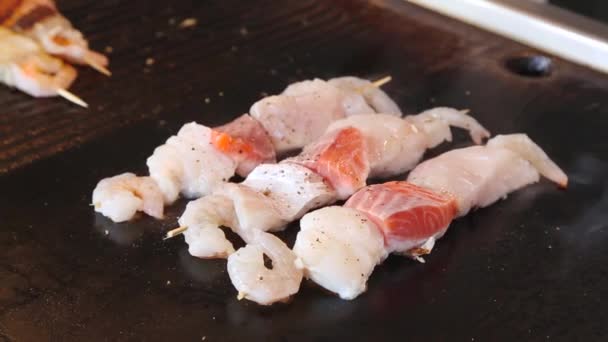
(203, 218)
(121, 196)
(256, 282)
(300, 114)
(338, 248)
(294, 188)
(187, 163)
(303, 112)
(480, 175)
(353, 102)
(25, 66)
(374, 96)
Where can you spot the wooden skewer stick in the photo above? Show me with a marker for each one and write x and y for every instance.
(97, 67)
(175, 232)
(376, 84)
(71, 97)
(384, 80)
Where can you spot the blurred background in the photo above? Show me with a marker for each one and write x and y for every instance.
(597, 9)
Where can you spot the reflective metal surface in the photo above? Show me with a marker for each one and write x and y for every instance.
(537, 24)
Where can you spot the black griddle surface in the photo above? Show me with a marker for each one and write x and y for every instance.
(531, 267)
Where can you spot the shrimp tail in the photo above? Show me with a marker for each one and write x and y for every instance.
(436, 123)
(522, 145)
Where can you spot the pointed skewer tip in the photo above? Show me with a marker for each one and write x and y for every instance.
(175, 232)
(102, 69)
(71, 97)
(384, 80)
(375, 84)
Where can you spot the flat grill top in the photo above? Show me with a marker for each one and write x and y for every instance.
(531, 266)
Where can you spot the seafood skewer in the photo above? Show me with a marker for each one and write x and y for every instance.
(337, 249)
(198, 160)
(41, 21)
(333, 167)
(25, 66)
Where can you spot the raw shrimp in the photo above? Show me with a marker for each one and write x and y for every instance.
(436, 123)
(522, 145)
(203, 218)
(41, 21)
(189, 164)
(261, 283)
(23, 65)
(234, 206)
(120, 197)
(338, 248)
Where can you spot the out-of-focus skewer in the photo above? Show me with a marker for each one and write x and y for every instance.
(93, 64)
(175, 232)
(72, 98)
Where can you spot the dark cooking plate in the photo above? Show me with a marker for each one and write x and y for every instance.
(531, 267)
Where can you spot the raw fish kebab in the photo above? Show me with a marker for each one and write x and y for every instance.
(333, 167)
(338, 247)
(199, 159)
